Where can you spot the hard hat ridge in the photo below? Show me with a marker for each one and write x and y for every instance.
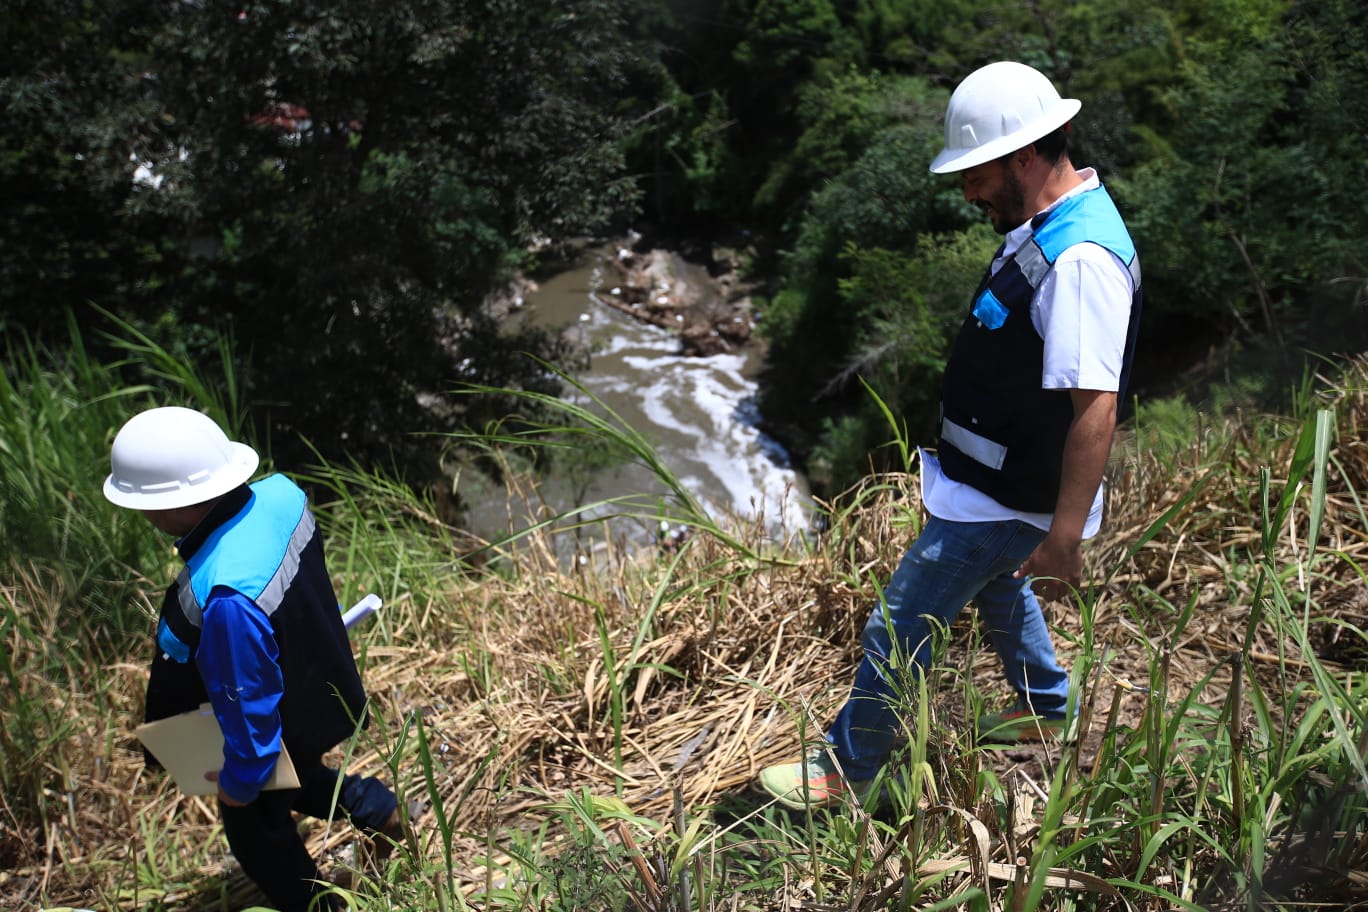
(996, 110)
(171, 457)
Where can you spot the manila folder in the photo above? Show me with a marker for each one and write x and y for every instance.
(191, 744)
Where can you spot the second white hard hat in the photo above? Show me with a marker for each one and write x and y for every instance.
(172, 457)
(998, 109)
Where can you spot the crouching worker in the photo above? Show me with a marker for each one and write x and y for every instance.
(252, 626)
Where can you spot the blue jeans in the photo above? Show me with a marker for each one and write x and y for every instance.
(949, 565)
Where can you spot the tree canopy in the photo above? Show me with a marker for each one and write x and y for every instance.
(1231, 135)
(341, 187)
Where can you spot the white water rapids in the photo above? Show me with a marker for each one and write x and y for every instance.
(698, 412)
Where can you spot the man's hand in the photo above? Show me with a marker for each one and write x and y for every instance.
(223, 798)
(1061, 561)
(1060, 555)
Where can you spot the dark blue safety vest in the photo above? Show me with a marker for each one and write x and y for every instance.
(261, 541)
(1000, 431)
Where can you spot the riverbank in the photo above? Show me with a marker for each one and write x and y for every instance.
(703, 301)
(709, 310)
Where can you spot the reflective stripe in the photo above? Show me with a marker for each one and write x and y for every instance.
(975, 446)
(274, 593)
(190, 607)
(255, 553)
(1033, 263)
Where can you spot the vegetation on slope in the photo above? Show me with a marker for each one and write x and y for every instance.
(582, 734)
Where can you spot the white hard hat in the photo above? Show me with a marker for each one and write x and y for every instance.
(172, 457)
(996, 110)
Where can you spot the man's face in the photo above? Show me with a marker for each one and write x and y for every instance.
(995, 189)
(179, 522)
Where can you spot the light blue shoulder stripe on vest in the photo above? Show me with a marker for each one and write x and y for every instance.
(256, 553)
(1088, 217)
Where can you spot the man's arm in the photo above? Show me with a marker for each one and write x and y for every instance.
(237, 659)
(1086, 449)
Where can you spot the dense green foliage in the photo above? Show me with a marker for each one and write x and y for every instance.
(1231, 135)
(343, 186)
(339, 186)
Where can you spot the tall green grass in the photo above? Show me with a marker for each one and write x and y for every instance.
(73, 568)
(63, 595)
(59, 412)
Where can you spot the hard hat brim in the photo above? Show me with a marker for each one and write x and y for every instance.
(240, 468)
(950, 160)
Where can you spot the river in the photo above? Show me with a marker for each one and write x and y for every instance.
(699, 412)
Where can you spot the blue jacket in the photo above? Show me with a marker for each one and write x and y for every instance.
(252, 626)
(1000, 431)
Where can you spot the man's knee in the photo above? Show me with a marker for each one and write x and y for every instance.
(368, 801)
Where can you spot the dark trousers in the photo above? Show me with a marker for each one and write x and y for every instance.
(266, 841)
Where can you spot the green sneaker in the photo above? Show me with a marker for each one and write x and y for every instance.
(824, 786)
(1018, 724)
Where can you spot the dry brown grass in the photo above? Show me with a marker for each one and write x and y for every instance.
(510, 676)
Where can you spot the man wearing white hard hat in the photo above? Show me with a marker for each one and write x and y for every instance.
(1028, 406)
(251, 625)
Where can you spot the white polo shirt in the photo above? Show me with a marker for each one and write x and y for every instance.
(1082, 311)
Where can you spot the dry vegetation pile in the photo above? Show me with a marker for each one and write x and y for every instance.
(642, 674)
